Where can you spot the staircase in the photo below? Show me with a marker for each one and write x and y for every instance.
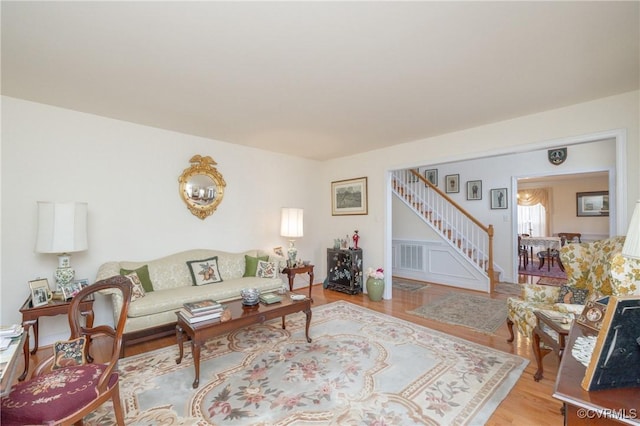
(465, 234)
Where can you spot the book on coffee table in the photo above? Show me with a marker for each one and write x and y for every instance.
(191, 318)
(201, 306)
(269, 298)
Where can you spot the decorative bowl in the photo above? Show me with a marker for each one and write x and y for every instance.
(250, 296)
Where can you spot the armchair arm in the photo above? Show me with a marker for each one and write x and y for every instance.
(544, 294)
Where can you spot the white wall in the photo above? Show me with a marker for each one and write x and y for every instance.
(516, 135)
(128, 174)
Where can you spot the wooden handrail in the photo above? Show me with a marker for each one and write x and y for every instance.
(486, 228)
(457, 206)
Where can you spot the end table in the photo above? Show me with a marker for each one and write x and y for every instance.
(552, 328)
(31, 315)
(292, 272)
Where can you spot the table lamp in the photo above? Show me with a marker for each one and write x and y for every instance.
(291, 227)
(62, 229)
(631, 248)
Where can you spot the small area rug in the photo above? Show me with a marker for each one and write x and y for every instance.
(532, 269)
(557, 282)
(400, 284)
(479, 313)
(363, 367)
(511, 289)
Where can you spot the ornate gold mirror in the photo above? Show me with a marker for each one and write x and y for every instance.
(201, 186)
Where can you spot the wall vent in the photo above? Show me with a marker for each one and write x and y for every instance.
(411, 256)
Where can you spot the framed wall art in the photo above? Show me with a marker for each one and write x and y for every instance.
(616, 353)
(592, 203)
(411, 178)
(432, 176)
(349, 197)
(40, 292)
(499, 198)
(452, 183)
(474, 190)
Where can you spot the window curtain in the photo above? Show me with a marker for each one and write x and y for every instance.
(534, 206)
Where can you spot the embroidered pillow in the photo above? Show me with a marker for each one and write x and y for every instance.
(267, 269)
(143, 274)
(137, 291)
(67, 353)
(573, 295)
(251, 264)
(205, 271)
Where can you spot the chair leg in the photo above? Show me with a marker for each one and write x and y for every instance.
(510, 328)
(117, 405)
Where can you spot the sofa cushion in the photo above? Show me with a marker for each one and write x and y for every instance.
(143, 274)
(67, 353)
(204, 271)
(251, 264)
(267, 269)
(137, 291)
(573, 295)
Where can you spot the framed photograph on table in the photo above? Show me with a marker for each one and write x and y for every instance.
(499, 198)
(474, 190)
(432, 176)
(40, 293)
(592, 203)
(349, 197)
(452, 184)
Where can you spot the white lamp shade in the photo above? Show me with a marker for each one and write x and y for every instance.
(62, 227)
(291, 225)
(631, 246)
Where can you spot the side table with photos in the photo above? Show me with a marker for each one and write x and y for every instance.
(551, 329)
(31, 316)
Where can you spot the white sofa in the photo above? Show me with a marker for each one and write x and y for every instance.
(153, 315)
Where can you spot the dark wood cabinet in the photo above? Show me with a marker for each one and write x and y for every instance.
(344, 270)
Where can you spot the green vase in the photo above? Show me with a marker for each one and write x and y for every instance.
(375, 288)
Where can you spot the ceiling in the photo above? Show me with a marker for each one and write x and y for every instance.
(318, 80)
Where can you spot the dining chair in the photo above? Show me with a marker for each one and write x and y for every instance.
(67, 386)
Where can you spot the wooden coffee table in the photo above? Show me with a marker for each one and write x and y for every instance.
(241, 316)
(552, 329)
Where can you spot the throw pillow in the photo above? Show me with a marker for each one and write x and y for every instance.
(267, 269)
(137, 291)
(67, 353)
(573, 295)
(205, 271)
(251, 264)
(143, 274)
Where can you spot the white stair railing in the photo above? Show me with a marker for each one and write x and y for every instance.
(460, 229)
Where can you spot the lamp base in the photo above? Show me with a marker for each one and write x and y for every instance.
(64, 273)
(292, 253)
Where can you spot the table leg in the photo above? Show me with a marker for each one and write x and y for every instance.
(35, 337)
(179, 337)
(283, 326)
(308, 323)
(535, 345)
(291, 276)
(550, 261)
(25, 349)
(310, 284)
(195, 350)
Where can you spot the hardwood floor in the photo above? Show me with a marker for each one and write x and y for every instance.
(528, 403)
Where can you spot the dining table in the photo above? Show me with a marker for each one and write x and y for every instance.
(550, 243)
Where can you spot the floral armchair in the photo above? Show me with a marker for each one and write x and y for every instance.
(594, 269)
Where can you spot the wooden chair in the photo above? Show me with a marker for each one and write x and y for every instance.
(65, 387)
(523, 254)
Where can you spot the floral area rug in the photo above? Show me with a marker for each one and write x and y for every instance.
(552, 271)
(552, 281)
(362, 368)
(480, 313)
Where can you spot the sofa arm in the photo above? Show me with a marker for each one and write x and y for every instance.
(625, 276)
(105, 271)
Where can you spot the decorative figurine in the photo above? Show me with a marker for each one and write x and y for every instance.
(355, 237)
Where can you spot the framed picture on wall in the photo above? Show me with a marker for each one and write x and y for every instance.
(474, 190)
(499, 198)
(452, 183)
(432, 176)
(349, 197)
(592, 203)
